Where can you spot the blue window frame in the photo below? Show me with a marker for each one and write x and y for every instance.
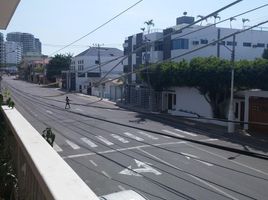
(180, 44)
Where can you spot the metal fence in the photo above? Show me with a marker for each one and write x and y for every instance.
(143, 97)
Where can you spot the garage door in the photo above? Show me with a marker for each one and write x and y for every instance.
(258, 112)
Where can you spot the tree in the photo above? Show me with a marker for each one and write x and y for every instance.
(58, 63)
(265, 54)
(211, 76)
(149, 24)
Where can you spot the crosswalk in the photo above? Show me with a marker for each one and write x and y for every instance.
(123, 138)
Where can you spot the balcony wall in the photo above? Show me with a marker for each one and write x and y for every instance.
(42, 173)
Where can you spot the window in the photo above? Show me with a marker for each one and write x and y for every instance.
(81, 75)
(195, 42)
(97, 62)
(247, 44)
(180, 44)
(203, 41)
(93, 74)
(158, 46)
(222, 42)
(230, 43)
(262, 45)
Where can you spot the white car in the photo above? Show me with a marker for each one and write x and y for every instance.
(124, 195)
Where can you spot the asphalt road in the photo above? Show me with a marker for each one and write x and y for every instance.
(111, 157)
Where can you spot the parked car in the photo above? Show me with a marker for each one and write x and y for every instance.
(124, 195)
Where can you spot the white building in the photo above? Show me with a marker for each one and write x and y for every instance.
(13, 52)
(168, 44)
(92, 65)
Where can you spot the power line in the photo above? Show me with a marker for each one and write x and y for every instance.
(191, 51)
(176, 31)
(94, 30)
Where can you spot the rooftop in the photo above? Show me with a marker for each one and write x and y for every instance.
(104, 51)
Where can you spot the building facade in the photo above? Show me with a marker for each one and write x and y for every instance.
(172, 43)
(2, 50)
(13, 52)
(30, 44)
(89, 67)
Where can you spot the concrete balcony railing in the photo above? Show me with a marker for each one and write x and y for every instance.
(41, 172)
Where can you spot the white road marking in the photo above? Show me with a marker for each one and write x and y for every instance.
(172, 133)
(73, 145)
(93, 163)
(122, 149)
(56, 147)
(209, 140)
(186, 132)
(123, 140)
(133, 136)
(213, 187)
(148, 135)
(48, 111)
(206, 163)
(104, 140)
(238, 163)
(189, 155)
(121, 187)
(202, 181)
(142, 168)
(89, 142)
(78, 109)
(107, 175)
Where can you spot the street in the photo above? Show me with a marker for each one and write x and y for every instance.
(108, 147)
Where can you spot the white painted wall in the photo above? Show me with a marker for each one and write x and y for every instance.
(191, 100)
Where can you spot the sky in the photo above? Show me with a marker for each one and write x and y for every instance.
(59, 22)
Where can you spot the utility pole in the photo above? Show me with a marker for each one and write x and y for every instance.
(99, 63)
(231, 125)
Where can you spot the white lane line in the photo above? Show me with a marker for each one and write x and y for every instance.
(209, 140)
(205, 163)
(93, 163)
(148, 135)
(172, 133)
(121, 139)
(56, 147)
(213, 187)
(89, 142)
(238, 163)
(122, 149)
(121, 187)
(104, 140)
(73, 145)
(133, 136)
(186, 132)
(49, 112)
(202, 181)
(78, 109)
(189, 155)
(105, 174)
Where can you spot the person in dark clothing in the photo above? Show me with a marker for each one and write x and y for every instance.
(67, 102)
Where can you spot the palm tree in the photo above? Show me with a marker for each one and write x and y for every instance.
(244, 20)
(201, 17)
(232, 19)
(216, 16)
(149, 24)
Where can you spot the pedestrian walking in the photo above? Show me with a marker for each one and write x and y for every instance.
(67, 102)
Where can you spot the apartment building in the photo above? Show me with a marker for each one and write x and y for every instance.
(30, 44)
(171, 43)
(13, 52)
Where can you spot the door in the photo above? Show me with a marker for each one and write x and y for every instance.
(170, 103)
(242, 112)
